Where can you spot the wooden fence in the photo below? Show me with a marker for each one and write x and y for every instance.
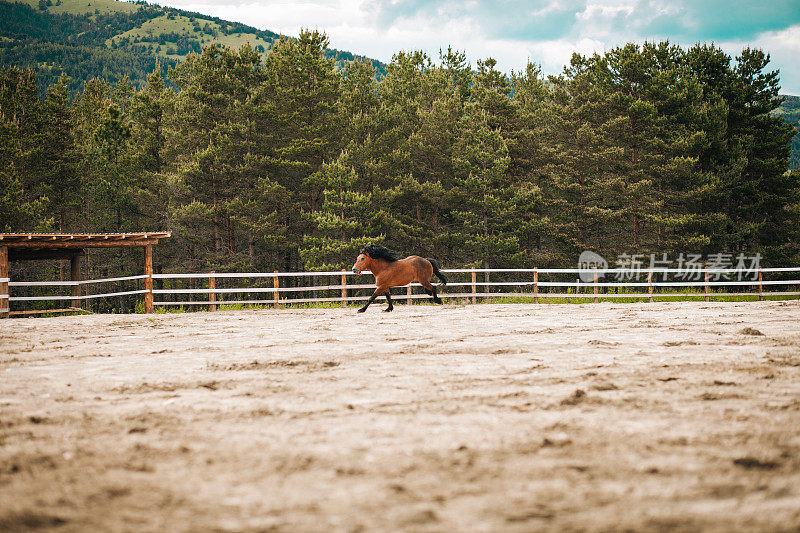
(278, 289)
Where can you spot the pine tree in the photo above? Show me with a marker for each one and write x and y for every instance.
(211, 111)
(648, 108)
(59, 158)
(765, 185)
(17, 213)
(490, 94)
(746, 154)
(22, 207)
(421, 196)
(357, 207)
(89, 110)
(115, 181)
(347, 221)
(487, 202)
(361, 116)
(148, 134)
(529, 137)
(458, 71)
(421, 109)
(298, 106)
(577, 172)
(516, 219)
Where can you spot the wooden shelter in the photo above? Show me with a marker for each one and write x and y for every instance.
(72, 246)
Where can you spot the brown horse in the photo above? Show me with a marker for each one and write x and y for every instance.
(391, 271)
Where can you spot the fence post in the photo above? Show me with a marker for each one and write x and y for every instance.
(474, 286)
(344, 288)
(148, 281)
(650, 285)
(708, 289)
(4, 275)
(212, 296)
(87, 270)
(408, 295)
(75, 275)
(275, 294)
(760, 288)
(487, 287)
(535, 285)
(596, 299)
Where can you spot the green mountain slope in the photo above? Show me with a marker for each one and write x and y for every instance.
(74, 43)
(109, 39)
(790, 112)
(80, 7)
(172, 35)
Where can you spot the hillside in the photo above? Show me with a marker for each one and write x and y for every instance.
(790, 112)
(173, 35)
(80, 7)
(106, 38)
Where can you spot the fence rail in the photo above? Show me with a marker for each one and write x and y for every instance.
(286, 288)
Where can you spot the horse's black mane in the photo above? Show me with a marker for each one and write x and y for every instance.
(379, 252)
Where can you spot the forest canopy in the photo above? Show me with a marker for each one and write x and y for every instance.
(292, 162)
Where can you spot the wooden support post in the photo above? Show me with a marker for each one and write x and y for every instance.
(75, 275)
(344, 288)
(486, 287)
(408, 295)
(5, 273)
(276, 295)
(474, 286)
(596, 299)
(87, 270)
(148, 281)
(212, 296)
(760, 287)
(535, 285)
(650, 285)
(708, 289)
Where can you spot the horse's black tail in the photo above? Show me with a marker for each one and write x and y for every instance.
(436, 270)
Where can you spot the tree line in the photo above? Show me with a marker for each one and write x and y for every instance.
(291, 163)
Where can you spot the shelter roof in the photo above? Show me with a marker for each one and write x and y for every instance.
(79, 240)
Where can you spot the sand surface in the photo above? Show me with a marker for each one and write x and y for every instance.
(453, 418)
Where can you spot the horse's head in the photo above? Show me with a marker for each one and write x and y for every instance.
(361, 263)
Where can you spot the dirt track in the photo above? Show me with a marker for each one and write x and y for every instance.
(469, 418)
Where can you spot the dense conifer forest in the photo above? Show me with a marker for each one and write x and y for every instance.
(296, 161)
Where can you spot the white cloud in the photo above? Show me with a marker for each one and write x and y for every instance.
(281, 17)
(482, 30)
(784, 49)
(553, 55)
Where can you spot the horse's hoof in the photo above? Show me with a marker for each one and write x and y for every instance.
(388, 310)
(362, 310)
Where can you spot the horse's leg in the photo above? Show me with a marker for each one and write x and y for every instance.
(371, 299)
(431, 290)
(435, 296)
(389, 301)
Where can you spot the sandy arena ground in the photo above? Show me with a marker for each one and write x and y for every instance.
(457, 418)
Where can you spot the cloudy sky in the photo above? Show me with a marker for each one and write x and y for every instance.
(513, 31)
